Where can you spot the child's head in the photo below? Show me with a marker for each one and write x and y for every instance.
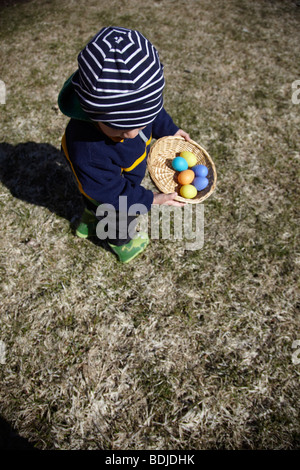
(119, 81)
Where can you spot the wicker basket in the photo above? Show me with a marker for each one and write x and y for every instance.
(165, 178)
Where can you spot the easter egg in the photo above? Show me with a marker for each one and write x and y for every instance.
(186, 177)
(188, 191)
(200, 183)
(179, 164)
(190, 157)
(200, 170)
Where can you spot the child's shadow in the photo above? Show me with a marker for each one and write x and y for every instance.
(38, 173)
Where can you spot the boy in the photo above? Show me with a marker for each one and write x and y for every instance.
(115, 103)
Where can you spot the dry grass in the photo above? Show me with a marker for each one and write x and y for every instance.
(181, 349)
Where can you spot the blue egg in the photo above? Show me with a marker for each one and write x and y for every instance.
(180, 164)
(200, 170)
(200, 183)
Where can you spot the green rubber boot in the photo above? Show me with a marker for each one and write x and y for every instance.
(87, 225)
(128, 252)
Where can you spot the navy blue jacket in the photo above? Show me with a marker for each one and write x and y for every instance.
(106, 169)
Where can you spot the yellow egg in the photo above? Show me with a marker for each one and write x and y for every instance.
(188, 191)
(190, 157)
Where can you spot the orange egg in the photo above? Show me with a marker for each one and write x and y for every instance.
(186, 177)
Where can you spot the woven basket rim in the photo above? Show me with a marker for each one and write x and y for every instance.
(152, 164)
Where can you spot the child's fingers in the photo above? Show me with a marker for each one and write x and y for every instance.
(171, 200)
(175, 203)
(183, 134)
(168, 199)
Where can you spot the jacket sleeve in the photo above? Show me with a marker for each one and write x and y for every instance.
(103, 181)
(163, 125)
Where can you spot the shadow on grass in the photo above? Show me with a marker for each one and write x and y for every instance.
(10, 439)
(38, 173)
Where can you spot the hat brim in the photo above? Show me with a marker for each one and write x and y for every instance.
(69, 103)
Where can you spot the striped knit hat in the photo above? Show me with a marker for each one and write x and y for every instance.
(120, 79)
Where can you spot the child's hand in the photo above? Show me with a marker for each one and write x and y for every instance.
(168, 199)
(183, 134)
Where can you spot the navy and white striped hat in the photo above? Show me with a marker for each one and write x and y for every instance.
(120, 79)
